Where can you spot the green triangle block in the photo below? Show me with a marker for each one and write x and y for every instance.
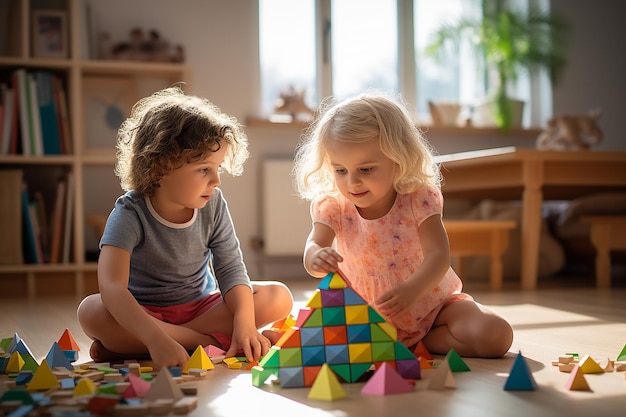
(622, 355)
(520, 378)
(21, 395)
(357, 370)
(30, 364)
(271, 358)
(5, 343)
(403, 352)
(260, 375)
(342, 370)
(457, 364)
(383, 351)
(375, 316)
(378, 334)
(290, 356)
(315, 319)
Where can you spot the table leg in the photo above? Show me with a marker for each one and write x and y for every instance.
(531, 223)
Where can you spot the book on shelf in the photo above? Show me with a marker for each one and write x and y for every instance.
(56, 222)
(8, 102)
(11, 216)
(28, 230)
(48, 114)
(37, 137)
(69, 217)
(63, 119)
(20, 84)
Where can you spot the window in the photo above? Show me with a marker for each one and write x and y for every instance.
(341, 48)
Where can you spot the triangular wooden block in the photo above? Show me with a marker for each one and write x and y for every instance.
(442, 377)
(622, 355)
(67, 342)
(15, 363)
(386, 381)
(84, 386)
(43, 378)
(138, 387)
(420, 350)
(198, 360)
(589, 365)
(576, 380)
(520, 378)
(326, 386)
(213, 350)
(425, 363)
(57, 359)
(164, 386)
(457, 364)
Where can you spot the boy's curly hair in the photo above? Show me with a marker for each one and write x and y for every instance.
(169, 129)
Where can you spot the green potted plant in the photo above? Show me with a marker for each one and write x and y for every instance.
(509, 41)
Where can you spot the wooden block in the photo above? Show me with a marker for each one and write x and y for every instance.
(185, 405)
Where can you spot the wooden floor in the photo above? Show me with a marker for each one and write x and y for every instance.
(560, 317)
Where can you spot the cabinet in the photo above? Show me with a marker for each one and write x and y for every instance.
(89, 157)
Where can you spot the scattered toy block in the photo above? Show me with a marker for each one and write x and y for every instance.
(43, 379)
(56, 358)
(577, 381)
(589, 366)
(84, 386)
(421, 351)
(441, 377)
(185, 405)
(520, 378)
(199, 359)
(138, 387)
(164, 386)
(457, 364)
(385, 381)
(67, 341)
(326, 386)
(621, 356)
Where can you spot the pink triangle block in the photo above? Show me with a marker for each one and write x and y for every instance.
(138, 387)
(212, 350)
(386, 380)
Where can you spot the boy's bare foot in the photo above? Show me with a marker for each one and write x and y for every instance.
(99, 353)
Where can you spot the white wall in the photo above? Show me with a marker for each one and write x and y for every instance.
(220, 40)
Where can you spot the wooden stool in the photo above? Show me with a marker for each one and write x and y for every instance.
(480, 238)
(607, 233)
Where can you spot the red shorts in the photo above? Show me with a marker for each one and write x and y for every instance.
(182, 313)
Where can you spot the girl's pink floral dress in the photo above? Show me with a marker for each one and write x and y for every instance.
(379, 254)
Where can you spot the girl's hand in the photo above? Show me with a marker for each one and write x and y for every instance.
(251, 342)
(325, 260)
(397, 300)
(167, 352)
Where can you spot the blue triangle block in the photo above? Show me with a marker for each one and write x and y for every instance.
(520, 378)
(325, 282)
(56, 358)
(350, 297)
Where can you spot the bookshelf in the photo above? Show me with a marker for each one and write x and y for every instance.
(98, 94)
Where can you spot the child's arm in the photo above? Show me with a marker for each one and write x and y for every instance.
(319, 256)
(246, 336)
(436, 250)
(113, 273)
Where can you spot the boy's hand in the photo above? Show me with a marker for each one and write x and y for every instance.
(167, 353)
(252, 343)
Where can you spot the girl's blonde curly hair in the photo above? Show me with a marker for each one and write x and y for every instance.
(358, 120)
(169, 129)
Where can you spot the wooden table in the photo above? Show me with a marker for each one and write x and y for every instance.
(532, 176)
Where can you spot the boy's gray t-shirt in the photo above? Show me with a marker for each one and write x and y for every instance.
(175, 263)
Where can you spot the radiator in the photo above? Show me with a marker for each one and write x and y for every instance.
(286, 219)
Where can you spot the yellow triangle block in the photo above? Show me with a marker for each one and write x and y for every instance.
(43, 378)
(337, 282)
(198, 360)
(577, 381)
(15, 363)
(316, 300)
(590, 366)
(326, 386)
(84, 386)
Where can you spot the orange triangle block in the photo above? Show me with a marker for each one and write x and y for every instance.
(386, 381)
(67, 341)
(420, 350)
(326, 386)
(198, 360)
(43, 378)
(576, 380)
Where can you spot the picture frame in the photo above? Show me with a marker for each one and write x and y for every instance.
(49, 34)
(107, 102)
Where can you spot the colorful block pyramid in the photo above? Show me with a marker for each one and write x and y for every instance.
(337, 327)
